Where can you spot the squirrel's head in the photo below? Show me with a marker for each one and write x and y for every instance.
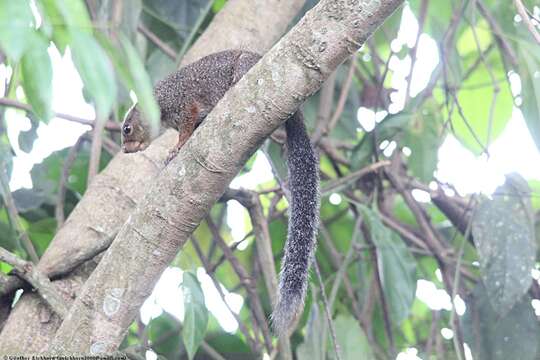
(135, 131)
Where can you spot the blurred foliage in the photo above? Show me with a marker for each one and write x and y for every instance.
(370, 273)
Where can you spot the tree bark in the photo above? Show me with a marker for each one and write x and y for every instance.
(184, 191)
(114, 193)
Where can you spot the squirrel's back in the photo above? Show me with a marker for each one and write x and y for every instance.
(206, 80)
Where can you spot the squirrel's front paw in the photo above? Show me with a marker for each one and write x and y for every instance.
(172, 155)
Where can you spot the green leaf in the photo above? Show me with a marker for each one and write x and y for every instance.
(196, 314)
(8, 236)
(353, 343)
(159, 65)
(218, 5)
(467, 44)
(311, 348)
(142, 85)
(27, 138)
(163, 333)
(397, 267)
(41, 233)
(423, 137)
(6, 152)
(95, 70)
(130, 18)
(475, 98)
(75, 15)
(16, 27)
(60, 16)
(28, 199)
(529, 70)
(503, 233)
(494, 337)
(275, 155)
(36, 71)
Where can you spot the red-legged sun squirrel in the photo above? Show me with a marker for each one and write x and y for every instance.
(185, 98)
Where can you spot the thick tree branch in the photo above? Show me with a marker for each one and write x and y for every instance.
(186, 189)
(109, 200)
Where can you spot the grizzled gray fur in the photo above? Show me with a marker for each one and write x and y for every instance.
(185, 98)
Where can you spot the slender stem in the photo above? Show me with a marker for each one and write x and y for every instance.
(193, 32)
(19, 105)
(522, 11)
(14, 214)
(167, 50)
(327, 310)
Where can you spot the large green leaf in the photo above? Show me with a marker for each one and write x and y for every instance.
(353, 343)
(142, 85)
(16, 27)
(515, 335)
(196, 314)
(95, 70)
(36, 71)
(475, 99)
(74, 14)
(60, 15)
(503, 233)
(472, 38)
(397, 267)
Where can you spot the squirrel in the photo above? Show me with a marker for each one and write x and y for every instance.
(185, 98)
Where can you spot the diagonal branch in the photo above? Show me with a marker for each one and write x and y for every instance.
(13, 213)
(40, 282)
(185, 190)
(112, 196)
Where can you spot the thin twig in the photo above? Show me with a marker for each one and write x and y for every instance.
(522, 11)
(39, 281)
(194, 31)
(378, 283)
(414, 50)
(338, 184)
(433, 333)
(167, 50)
(95, 150)
(112, 126)
(14, 214)
(453, 321)
(494, 83)
(68, 163)
(252, 341)
(340, 106)
(326, 102)
(336, 260)
(497, 31)
(327, 310)
(246, 280)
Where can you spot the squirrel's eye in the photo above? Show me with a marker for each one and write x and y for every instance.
(127, 129)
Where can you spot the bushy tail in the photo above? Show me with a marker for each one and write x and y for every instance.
(303, 224)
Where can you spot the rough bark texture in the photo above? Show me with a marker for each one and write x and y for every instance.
(115, 192)
(186, 189)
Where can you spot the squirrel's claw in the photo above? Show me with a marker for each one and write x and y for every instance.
(172, 155)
